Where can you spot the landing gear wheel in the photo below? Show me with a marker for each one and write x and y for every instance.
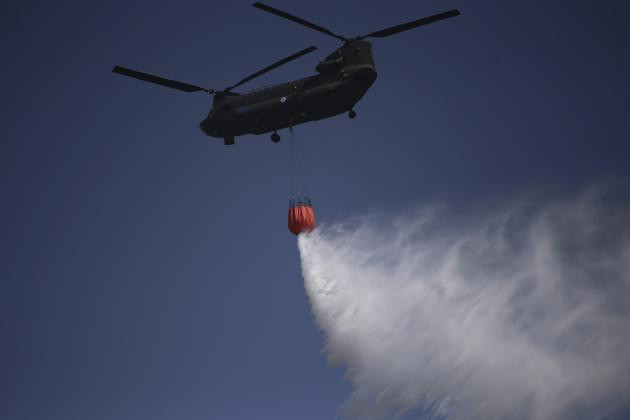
(352, 114)
(275, 137)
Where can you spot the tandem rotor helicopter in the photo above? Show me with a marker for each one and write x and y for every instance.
(342, 79)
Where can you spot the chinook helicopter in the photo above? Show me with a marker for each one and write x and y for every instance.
(342, 79)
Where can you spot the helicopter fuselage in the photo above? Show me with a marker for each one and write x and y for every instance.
(342, 80)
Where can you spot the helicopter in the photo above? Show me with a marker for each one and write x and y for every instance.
(342, 79)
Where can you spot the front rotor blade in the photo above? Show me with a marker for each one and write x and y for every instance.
(273, 66)
(297, 20)
(410, 25)
(159, 80)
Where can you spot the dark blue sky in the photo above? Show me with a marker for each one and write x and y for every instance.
(147, 269)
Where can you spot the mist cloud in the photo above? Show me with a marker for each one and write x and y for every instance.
(522, 312)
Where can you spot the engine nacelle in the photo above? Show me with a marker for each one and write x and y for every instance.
(329, 65)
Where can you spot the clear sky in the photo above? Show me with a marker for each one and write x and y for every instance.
(147, 269)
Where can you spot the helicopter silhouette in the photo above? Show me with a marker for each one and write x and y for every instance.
(342, 79)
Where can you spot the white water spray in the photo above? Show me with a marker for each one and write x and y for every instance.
(522, 313)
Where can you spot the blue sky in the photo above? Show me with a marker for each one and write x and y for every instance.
(149, 272)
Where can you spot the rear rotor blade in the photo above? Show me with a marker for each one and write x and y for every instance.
(160, 80)
(273, 66)
(297, 20)
(410, 25)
